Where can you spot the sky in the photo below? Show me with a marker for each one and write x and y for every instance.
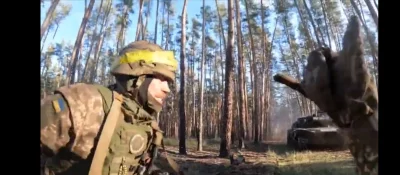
(68, 29)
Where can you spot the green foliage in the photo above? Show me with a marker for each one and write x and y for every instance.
(289, 43)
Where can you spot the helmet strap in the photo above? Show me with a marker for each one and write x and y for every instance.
(148, 102)
(142, 91)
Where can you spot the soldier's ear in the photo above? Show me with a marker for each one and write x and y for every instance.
(353, 39)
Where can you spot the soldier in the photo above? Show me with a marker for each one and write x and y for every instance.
(91, 129)
(341, 85)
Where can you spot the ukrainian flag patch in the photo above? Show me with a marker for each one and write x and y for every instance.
(58, 105)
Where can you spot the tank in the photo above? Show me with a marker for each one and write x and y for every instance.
(315, 131)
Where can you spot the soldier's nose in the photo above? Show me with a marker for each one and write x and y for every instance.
(165, 87)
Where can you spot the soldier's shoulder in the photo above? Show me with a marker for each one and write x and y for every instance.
(79, 89)
(80, 96)
(84, 104)
(52, 106)
(94, 95)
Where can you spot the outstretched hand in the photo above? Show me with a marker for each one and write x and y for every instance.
(341, 85)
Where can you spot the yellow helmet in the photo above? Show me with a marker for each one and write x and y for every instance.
(145, 58)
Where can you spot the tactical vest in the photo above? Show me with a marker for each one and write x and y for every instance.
(131, 136)
(108, 141)
(131, 139)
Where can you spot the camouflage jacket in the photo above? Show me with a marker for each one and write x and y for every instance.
(72, 120)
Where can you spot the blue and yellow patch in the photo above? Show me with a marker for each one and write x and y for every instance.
(58, 105)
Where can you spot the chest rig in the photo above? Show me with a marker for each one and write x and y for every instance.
(128, 136)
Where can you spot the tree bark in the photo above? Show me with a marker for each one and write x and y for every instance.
(227, 118)
(47, 20)
(242, 110)
(254, 90)
(201, 101)
(139, 23)
(75, 53)
(156, 25)
(373, 12)
(182, 117)
(312, 23)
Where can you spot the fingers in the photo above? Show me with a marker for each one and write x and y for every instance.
(352, 39)
(352, 60)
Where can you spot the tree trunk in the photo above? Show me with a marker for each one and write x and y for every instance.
(326, 23)
(242, 110)
(138, 26)
(162, 26)
(264, 71)
(92, 41)
(203, 57)
(373, 12)
(47, 20)
(44, 40)
(167, 37)
(156, 25)
(255, 111)
(78, 42)
(227, 118)
(101, 37)
(310, 42)
(221, 25)
(121, 34)
(371, 42)
(182, 117)
(312, 23)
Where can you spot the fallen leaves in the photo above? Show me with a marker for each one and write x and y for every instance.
(264, 159)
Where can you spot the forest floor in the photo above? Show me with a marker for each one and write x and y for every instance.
(264, 158)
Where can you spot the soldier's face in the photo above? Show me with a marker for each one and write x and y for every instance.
(159, 89)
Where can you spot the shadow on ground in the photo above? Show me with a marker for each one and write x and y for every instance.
(209, 163)
(259, 147)
(344, 167)
(263, 159)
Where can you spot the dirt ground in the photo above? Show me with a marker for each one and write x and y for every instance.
(265, 159)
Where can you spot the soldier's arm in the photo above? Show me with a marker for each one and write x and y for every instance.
(55, 124)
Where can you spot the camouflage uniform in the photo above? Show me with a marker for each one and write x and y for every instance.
(75, 118)
(341, 85)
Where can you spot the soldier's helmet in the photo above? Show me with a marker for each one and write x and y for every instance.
(145, 58)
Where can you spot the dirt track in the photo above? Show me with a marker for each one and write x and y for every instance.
(266, 159)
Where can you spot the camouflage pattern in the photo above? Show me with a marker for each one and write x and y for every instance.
(139, 61)
(75, 126)
(72, 118)
(142, 68)
(83, 116)
(130, 141)
(341, 85)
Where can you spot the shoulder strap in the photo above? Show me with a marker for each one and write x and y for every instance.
(107, 97)
(100, 154)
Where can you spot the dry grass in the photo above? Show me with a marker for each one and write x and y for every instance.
(274, 159)
(314, 162)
